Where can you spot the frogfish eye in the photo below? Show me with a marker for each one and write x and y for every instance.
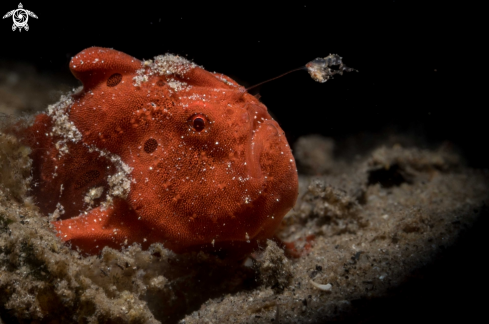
(198, 122)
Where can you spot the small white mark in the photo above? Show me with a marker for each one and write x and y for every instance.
(326, 287)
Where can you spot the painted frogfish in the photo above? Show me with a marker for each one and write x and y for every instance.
(159, 151)
(162, 151)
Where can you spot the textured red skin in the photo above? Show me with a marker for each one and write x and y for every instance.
(224, 189)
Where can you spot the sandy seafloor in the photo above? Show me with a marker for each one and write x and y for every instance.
(386, 232)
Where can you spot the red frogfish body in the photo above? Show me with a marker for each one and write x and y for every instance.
(160, 151)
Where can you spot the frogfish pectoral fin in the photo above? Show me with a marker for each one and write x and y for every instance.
(114, 226)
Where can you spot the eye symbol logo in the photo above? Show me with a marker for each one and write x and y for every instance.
(20, 17)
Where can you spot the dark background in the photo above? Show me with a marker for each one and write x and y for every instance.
(418, 75)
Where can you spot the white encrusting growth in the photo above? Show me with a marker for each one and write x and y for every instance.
(166, 65)
(60, 210)
(226, 81)
(177, 85)
(172, 64)
(63, 127)
(120, 182)
(92, 194)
